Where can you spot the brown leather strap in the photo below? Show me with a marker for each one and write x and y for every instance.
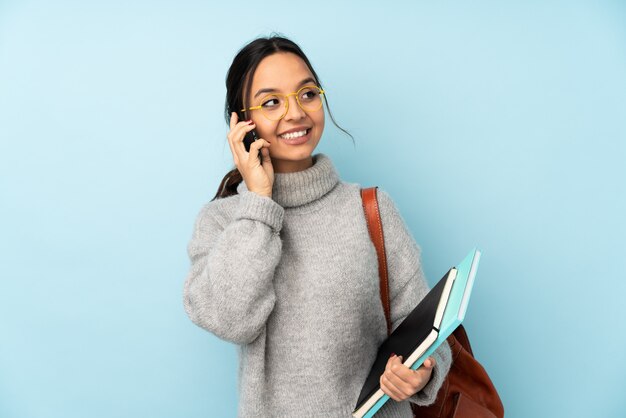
(375, 227)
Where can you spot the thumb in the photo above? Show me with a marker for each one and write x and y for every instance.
(265, 152)
(430, 362)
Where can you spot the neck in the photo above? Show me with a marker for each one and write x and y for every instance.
(300, 188)
(289, 166)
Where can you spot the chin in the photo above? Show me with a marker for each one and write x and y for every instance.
(298, 155)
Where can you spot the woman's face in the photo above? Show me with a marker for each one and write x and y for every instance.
(285, 73)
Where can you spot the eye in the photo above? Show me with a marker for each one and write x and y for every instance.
(309, 93)
(270, 102)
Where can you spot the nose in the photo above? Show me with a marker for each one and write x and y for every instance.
(294, 111)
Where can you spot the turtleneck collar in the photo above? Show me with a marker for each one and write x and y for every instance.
(302, 187)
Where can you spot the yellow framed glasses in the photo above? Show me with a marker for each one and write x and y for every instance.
(275, 106)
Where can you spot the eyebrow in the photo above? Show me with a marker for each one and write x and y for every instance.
(271, 90)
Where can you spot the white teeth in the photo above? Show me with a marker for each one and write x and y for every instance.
(294, 135)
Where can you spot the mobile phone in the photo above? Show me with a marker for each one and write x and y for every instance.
(249, 138)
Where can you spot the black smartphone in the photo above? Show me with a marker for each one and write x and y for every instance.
(249, 138)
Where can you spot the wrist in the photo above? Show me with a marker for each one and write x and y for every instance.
(265, 194)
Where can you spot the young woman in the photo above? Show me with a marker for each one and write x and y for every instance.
(281, 259)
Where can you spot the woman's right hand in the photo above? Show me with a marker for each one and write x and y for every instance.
(259, 177)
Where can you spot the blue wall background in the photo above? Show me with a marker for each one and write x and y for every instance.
(490, 124)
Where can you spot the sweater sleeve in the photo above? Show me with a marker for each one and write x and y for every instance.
(407, 286)
(229, 288)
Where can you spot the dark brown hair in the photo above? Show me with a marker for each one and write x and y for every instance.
(239, 80)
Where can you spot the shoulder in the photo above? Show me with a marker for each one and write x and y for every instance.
(394, 224)
(356, 188)
(352, 191)
(389, 211)
(386, 204)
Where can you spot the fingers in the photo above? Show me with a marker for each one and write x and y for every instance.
(235, 138)
(390, 389)
(259, 144)
(400, 382)
(234, 118)
(237, 135)
(391, 382)
(424, 372)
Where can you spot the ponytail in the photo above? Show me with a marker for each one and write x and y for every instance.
(228, 186)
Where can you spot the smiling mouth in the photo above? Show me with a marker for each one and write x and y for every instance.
(294, 135)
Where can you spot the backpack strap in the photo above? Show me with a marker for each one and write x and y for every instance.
(375, 228)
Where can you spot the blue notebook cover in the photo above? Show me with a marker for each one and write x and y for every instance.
(453, 315)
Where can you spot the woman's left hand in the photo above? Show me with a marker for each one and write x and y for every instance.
(401, 382)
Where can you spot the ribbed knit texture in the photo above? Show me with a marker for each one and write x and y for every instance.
(293, 281)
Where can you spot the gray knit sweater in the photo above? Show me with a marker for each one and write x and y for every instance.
(293, 281)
